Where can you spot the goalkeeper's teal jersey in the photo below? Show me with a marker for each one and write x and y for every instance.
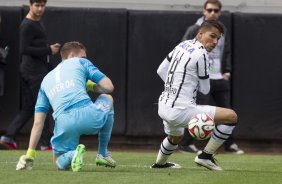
(65, 86)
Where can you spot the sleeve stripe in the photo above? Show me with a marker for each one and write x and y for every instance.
(206, 76)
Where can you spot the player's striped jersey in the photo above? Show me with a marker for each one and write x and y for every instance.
(65, 86)
(183, 72)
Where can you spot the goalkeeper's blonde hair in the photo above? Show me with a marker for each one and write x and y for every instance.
(73, 46)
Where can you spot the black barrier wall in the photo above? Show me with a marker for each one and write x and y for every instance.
(257, 76)
(104, 33)
(9, 36)
(129, 45)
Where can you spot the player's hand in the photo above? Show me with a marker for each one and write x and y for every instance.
(226, 76)
(25, 162)
(55, 48)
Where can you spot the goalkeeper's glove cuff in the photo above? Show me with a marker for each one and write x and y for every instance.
(90, 86)
(31, 153)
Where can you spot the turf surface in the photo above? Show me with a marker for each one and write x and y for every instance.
(133, 167)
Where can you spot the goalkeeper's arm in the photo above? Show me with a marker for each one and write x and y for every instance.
(26, 161)
(104, 86)
(39, 118)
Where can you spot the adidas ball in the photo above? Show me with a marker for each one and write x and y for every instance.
(201, 126)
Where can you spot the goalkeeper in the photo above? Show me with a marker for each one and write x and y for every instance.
(74, 113)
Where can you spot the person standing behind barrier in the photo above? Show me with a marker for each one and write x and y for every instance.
(220, 68)
(35, 53)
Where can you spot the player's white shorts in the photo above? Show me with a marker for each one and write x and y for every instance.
(175, 120)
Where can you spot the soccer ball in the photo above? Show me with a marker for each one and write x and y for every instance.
(201, 126)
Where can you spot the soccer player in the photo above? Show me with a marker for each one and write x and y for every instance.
(220, 74)
(185, 71)
(65, 90)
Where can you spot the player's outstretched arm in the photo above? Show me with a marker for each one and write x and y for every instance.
(26, 161)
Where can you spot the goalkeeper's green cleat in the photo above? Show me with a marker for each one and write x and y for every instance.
(105, 161)
(77, 160)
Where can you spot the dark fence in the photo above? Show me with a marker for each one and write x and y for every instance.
(9, 36)
(257, 75)
(129, 45)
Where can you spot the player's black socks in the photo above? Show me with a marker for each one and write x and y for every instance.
(205, 155)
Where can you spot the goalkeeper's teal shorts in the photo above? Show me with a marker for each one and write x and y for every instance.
(86, 119)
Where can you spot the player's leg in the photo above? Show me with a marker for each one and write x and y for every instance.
(65, 142)
(71, 159)
(21, 118)
(220, 134)
(187, 143)
(222, 99)
(63, 161)
(168, 145)
(174, 120)
(222, 131)
(105, 106)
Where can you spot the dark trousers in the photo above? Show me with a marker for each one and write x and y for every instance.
(29, 89)
(219, 95)
(2, 79)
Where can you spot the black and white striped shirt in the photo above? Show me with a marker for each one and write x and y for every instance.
(184, 71)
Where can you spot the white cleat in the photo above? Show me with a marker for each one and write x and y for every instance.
(208, 163)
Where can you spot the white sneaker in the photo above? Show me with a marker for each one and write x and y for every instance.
(208, 163)
(233, 148)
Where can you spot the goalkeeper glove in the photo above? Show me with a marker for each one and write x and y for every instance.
(26, 161)
(89, 86)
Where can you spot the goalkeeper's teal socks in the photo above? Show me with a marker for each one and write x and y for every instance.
(64, 161)
(105, 135)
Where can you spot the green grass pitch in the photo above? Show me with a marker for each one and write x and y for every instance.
(133, 167)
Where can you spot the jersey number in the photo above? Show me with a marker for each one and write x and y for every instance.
(173, 68)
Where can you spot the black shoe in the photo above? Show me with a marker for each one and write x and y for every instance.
(169, 165)
(191, 148)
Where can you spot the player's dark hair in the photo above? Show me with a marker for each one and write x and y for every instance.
(216, 2)
(37, 1)
(72, 46)
(208, 24)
